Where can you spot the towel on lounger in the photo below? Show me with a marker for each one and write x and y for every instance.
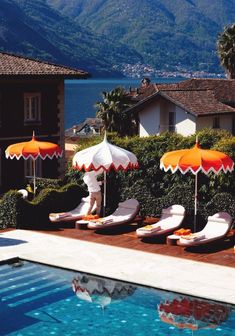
(102, 222)
(193, 237)
(150, 228)
(59, 215)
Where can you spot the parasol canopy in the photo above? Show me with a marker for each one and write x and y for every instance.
(195, 160)
(104, 156)
(193, 314)
(100, 290)
(33, 149)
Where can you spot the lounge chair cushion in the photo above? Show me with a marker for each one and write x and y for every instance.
(217, 220)
(74, 214)
(216, 228)
(129, 204)
(174, 210)
(125, 212)
(171, 219)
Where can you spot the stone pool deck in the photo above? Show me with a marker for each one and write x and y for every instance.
(202, 279)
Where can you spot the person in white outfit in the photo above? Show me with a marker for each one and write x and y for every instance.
(94, 191)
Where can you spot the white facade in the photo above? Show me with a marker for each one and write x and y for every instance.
(157, 118)
(149, 121)
(185, 123)
(163, 115)
(225, 122)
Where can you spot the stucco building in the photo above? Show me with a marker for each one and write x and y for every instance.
(186, 107)
(31, 99)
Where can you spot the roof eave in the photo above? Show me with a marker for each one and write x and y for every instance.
(46, 76)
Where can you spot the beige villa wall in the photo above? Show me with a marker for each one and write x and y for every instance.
(149, 121)
(155, 119)
(185, 122)
(207, 122)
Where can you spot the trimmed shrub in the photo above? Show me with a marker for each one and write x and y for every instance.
(221, 202)
(155, 188)
(9, 211)
(34, 214)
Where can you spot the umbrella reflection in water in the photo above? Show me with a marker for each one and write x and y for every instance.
(99, 290)
(191, 313)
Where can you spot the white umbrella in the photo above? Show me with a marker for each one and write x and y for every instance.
(100, 290)
(104, 156)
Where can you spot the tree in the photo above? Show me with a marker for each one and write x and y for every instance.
(113, 112)
(226, 50)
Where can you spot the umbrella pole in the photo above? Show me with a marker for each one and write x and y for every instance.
(34, 177)
(104, 194)
(195, 205)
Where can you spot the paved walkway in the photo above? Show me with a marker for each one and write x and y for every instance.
(164, 272)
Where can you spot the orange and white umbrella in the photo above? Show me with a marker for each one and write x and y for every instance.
(195, 160)
(189, 313)
(33, 149)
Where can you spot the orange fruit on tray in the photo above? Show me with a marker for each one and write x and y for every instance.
(182, 232)
(90, 217)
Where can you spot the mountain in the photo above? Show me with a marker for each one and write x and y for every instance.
(166, 33)
(33, 28)
(104, 36)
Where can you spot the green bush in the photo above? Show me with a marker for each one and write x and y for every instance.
(23, 214)
(154, 188)
(9, 211)
(151, 186)
(220, 202)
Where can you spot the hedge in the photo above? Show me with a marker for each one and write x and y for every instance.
(19, 213)
(154, 188)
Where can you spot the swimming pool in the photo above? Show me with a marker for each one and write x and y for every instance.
(42, 300)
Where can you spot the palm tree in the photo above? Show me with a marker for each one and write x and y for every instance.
(112, 111)
(226, 50)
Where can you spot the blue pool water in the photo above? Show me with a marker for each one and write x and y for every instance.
(42, 300)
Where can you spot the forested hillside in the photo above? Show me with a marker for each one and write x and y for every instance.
(34, 29)
(103, 36)
(166, 33)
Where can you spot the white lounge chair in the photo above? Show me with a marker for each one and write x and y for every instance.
(125, 213)
(75, 214)
(216, 228)
(171, 219)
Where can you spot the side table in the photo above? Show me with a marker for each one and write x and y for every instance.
(81, 224)
(172, 239)
(150, 220)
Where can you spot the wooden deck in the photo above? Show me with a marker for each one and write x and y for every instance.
(221, 253)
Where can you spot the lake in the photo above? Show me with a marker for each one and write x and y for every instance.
(81, 95)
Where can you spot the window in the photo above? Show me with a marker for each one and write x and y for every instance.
(28, 168)
(171, 121)
(32, 107)
(1, 108)
(0, 167)
(233, 126)
(216, 122)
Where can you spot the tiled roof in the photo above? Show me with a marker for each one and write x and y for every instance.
(197, 102)
(224, 89)
(94, 122)
(146, 92)
(199, 96)
(12, 65)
